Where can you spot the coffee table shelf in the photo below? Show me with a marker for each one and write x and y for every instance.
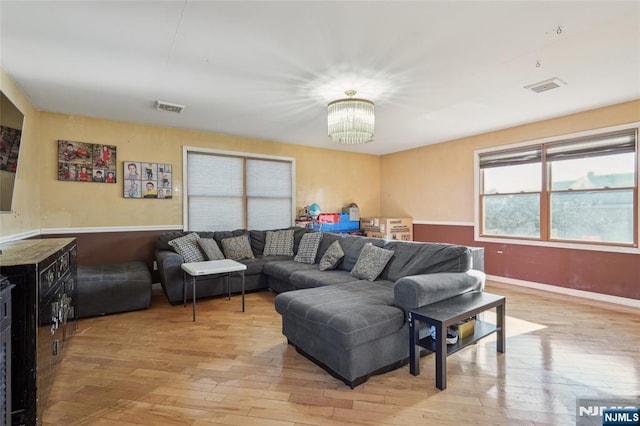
(481, 329)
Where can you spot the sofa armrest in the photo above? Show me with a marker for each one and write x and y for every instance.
(420, 290)
(169, 266)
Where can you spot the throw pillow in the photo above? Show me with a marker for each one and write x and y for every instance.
(237, 248)
(371, 262)
(187, 247)
(279, 243)
(210, 248)
(308, 248)
(332, 257)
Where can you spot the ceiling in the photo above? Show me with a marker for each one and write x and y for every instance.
(437, 70)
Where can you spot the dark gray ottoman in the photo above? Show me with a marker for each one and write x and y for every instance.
(118, 287)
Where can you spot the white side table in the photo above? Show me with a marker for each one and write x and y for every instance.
(211, 267)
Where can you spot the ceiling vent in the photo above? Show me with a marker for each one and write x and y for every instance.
(166, 106)
(546, 85)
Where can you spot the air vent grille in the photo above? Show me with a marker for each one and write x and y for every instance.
(546, 85)
(169, 107)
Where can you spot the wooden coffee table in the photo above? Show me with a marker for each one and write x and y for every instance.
(211, 267)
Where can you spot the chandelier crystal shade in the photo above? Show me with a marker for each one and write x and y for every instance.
(351, 120)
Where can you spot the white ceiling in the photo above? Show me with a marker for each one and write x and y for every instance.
(437, 70)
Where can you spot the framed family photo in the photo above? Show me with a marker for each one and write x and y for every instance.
(147, 180)
(86, 162)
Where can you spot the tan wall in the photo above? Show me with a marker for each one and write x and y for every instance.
(435, 182)
(330, 178)
(25, 215)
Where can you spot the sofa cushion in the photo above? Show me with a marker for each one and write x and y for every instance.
(346, 315)
(309, 278)
(256, 265)
(371, 262)
(282, 271)
(187, 247)
(210, 248)
(279, 243)
(237, 248)
(413, 258)
(308, 248)
(332, 257)
(352, 246)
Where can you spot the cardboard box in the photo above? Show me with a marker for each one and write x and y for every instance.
(400, 236)
(387, 225)
(466, 328)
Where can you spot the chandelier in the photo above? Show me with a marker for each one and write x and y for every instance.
(351, 120)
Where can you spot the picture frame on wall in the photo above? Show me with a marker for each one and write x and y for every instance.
(86, 162)
(143, 179)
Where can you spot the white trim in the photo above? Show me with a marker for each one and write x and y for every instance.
(98, 229)
(617, 300)
(553, 244)
(20, 236)
(444, 223)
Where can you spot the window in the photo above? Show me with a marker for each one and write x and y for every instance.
(582, 190)
(226, 191)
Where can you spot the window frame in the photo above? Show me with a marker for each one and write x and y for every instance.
(186, 150)
(545, 239)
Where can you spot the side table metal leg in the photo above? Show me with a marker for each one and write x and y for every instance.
(500, 341)
(194, 298)
(414, 359)
(184, 289)
(242, 273)
(441, 357)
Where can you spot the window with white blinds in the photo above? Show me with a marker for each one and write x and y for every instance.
(226, 191)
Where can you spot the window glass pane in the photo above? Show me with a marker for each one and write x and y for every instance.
(515, 215)
(603, 216)
(608, 171)
(215, 213)
(269, 213)
(512, 179)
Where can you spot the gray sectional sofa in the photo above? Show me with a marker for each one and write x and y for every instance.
(351, 327)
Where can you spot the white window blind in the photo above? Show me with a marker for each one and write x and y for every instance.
(269, 188)
(215, 192)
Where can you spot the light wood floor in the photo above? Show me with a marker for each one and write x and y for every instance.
(156, 367)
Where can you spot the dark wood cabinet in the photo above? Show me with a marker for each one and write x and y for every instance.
(44, 303)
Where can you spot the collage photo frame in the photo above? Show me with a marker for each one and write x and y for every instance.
(86, 162)
(143, 179)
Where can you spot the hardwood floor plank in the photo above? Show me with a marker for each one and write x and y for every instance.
(157, 367)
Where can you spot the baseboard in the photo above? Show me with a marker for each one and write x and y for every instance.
(20, 236)
(616, 300)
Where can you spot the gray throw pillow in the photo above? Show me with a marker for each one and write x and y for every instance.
(210, 248)
(371, 262)
(332, 257)
(308, 248)
(279, 243)
(237, 248)
(187, 247)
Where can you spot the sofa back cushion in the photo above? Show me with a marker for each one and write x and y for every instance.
(352, 246)
(325, 243)
(413, 258)
(163, 240)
